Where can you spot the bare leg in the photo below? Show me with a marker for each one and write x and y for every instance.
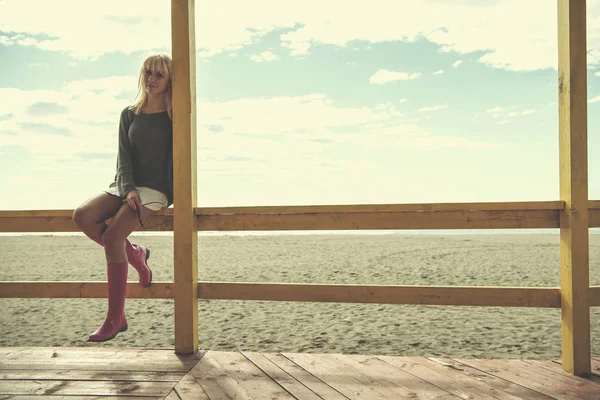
(90, 216)
(114, 237)
(124, 222)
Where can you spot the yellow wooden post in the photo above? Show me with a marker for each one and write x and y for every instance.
(574, 240)
(185, 232)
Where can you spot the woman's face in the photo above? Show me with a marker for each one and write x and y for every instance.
(155, 81)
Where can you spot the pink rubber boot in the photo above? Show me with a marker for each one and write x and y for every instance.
(138, 258)
(115, 321)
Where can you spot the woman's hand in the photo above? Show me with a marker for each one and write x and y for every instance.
(133, 200)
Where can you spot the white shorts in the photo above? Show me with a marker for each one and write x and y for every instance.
(152, 199)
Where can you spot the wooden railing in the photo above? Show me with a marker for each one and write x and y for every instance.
(516, 215)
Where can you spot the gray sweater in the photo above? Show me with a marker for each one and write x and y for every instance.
(145, 156)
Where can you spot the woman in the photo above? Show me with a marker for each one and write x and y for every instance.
(143, 184)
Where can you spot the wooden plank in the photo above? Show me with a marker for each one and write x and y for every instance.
(594, 205)
(396, 294)
(171, 396)
(283, 379)
(382, 220)
(527, 375)
(501, 388)
(249, 377)
(185, 236)
(69, 397)
(84, 388)
(594, 218)
(189, 389)
(385, 379)
(78, 375)
(215, 381)
(309, 380)
(101, 361)
(342, 381)
(556, 368)
(132, 355)
(459, 383)
(382, 294)
(371, 208)
(343, 208)
(95, 365)
(154, 223)
(595, 365)
(574, 240)
(421, 220)
(87, 290)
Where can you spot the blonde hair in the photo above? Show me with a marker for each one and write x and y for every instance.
(156, 62)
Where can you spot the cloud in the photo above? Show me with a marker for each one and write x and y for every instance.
(519, 113)
(594, 99)
(462, 27)
(384, 76)
(433, 108)
(45, 128)
(499, 111)
(456, 64)
(46, 108)
(264, 56)
(439, 72)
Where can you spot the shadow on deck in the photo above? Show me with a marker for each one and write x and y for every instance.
(111, 373)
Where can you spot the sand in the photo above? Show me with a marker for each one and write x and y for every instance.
(482, 260)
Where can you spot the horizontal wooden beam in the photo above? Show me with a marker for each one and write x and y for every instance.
(521, 215)
(364, 208)
(88, 290)
(594, 218)
(424, 295)
(440, 295)
(416, 220)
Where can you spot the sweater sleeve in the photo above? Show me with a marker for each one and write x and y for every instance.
(125, 181)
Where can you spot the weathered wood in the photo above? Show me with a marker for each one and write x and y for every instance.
(393, 294)
(555, 367)
(185, 236)
(215, 381)
(502, 388)
(249, 377)
(574, 241)
(382, 220)
(431, 295)
(69, 397)
(95, 375)
(277, 374)
(189, 389)
(529, 376)
(171, 396)
(345, 383)
(309, 380)
(105, 354)
(370, 208)
(386, 379)
(84, 388)
(454, 381)
(594, 218)
(88, 290)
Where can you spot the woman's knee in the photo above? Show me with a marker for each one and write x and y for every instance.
(111, 238)
(82, 217)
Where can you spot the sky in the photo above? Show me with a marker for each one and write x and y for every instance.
(299, 102)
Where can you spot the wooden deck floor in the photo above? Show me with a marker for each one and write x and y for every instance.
(112, 373)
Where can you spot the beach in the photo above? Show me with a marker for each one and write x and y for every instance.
(530, 260)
